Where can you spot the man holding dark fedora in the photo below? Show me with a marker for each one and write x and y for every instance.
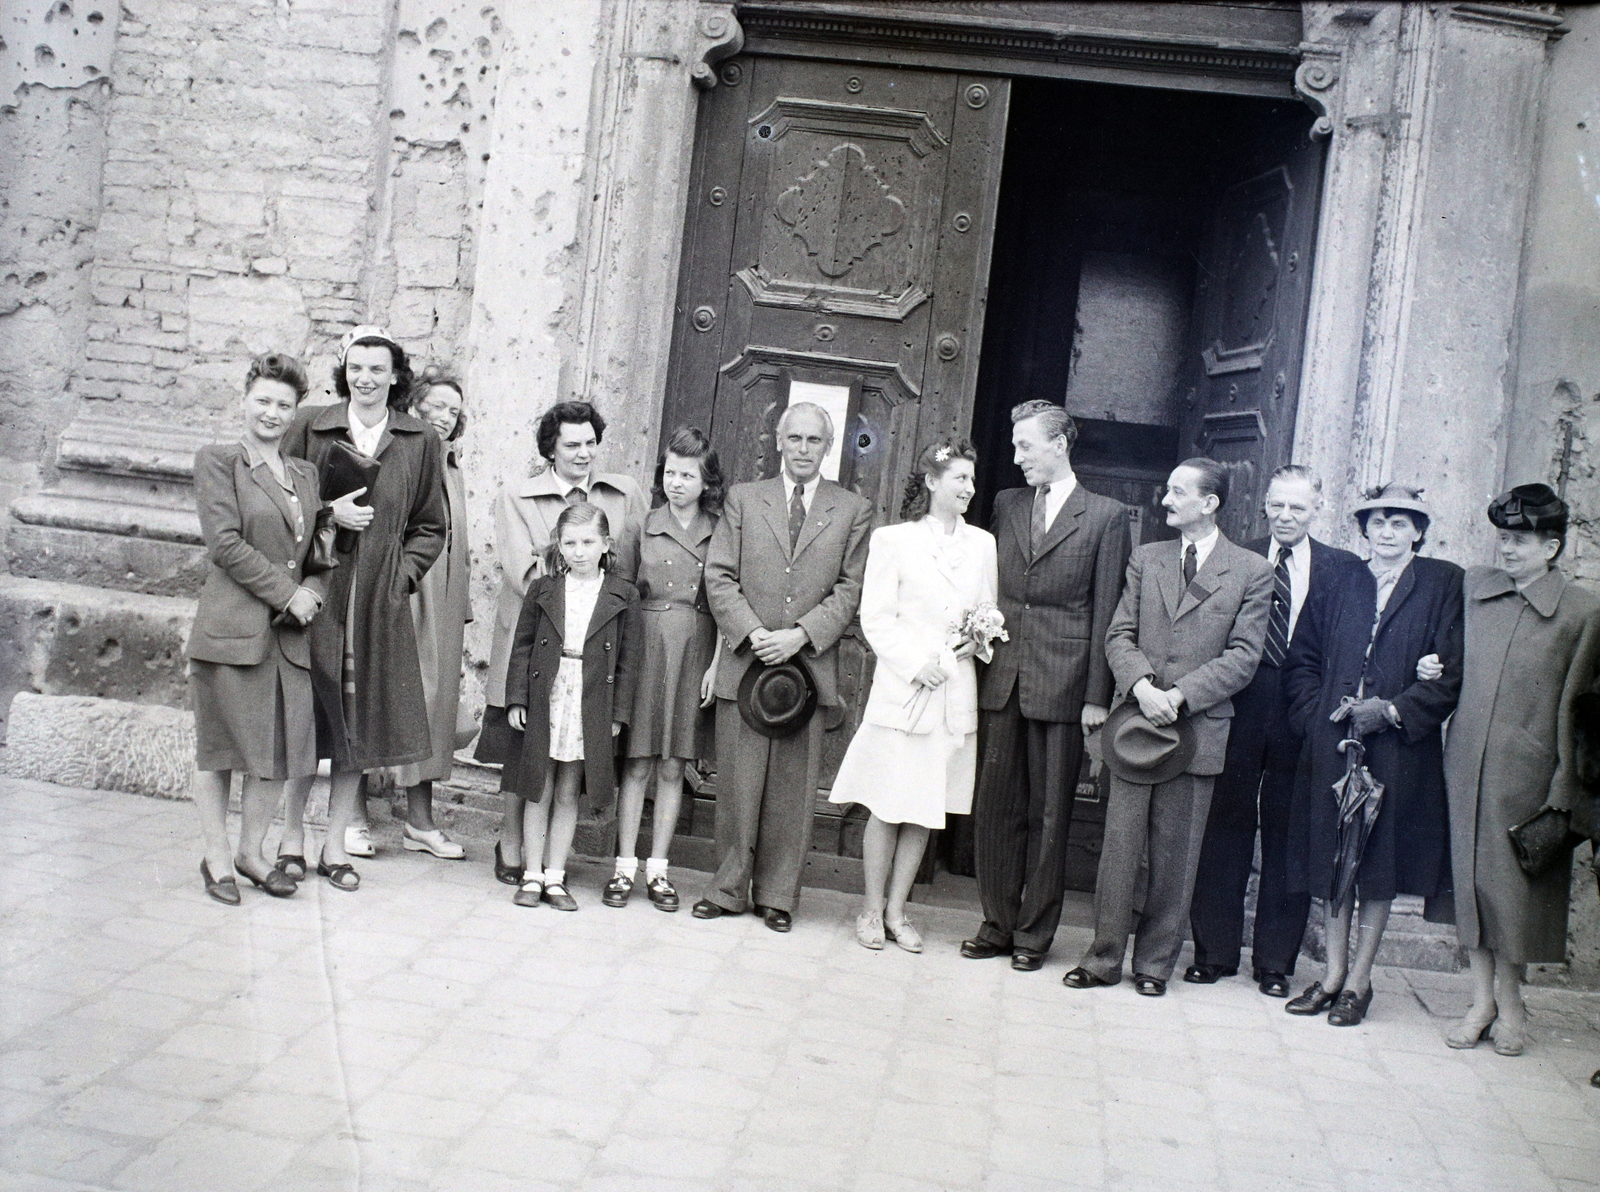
(783, 577)
(1257, 781)
(1186, 637)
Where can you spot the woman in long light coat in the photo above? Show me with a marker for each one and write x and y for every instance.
(441, 607)
(1532, 647)
(914, 758)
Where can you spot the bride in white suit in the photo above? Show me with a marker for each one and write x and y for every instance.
(914, 758)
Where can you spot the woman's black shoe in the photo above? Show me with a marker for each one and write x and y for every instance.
(225, 891)
(1313, 1001)
(510, 875)
(276, 882)
(1351, 1008)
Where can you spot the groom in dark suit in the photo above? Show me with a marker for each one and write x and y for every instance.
(1257, 779)
(1062, 554)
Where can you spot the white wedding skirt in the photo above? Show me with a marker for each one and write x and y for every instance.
(905, 778)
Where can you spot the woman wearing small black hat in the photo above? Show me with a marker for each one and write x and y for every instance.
(1532, 646)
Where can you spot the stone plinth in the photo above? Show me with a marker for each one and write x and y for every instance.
(63, 639)
(101, 744)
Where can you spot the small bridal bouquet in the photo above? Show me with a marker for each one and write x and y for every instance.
(980, 626)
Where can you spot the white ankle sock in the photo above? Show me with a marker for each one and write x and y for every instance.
(654, 867)
(627, 866)
(555, 877)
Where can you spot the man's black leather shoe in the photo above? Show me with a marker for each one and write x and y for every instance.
(777, 920)
(1026, 960)
(706, 909)
(1207, 974)
(1149, 986)
(1082, 978)
(1271, 983)
(977, 949)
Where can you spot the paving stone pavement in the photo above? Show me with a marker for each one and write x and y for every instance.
(424, 1033)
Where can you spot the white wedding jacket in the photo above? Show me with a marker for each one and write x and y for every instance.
(913, 597)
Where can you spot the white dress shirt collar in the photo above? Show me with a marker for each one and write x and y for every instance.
(1056, 497)
(808, 492)
(366, 437)
(1299, 575)
(1202, 547)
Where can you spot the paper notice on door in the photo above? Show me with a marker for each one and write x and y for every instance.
(836, 400)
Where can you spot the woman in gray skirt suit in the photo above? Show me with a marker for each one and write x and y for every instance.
(249, 664)
(1532, 647)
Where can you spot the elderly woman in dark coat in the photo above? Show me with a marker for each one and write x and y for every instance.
(1351, 673)
(1532, 647)
(364, 668)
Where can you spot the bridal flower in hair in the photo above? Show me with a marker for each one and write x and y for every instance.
(940, 454)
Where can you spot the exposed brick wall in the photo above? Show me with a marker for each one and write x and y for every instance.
(237, 194)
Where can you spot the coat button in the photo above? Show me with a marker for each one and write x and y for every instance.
(544, 641)
(608, 645)
(535, 674)
(608, 677)
(1027, 606)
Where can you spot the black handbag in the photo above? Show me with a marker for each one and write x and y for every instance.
(343, 472)
(1544, 840)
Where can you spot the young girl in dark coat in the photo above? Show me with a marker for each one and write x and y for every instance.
(574, 666)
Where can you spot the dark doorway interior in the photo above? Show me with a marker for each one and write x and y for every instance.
(1108, 195)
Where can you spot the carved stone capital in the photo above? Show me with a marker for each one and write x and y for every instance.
(1316, 81)
(718, 36)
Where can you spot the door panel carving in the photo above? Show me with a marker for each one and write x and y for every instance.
(852, 202)
(1242, 321)
(1243, 374)
(828, 184)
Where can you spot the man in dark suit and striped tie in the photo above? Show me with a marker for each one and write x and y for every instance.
(1062, 554)
(1257, 781)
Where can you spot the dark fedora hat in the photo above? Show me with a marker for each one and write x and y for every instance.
(777, 701)
(1138, 751)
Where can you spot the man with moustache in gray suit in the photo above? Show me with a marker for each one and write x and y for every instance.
(1186, 637)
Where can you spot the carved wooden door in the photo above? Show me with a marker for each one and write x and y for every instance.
(837, 251)
(1248, 326)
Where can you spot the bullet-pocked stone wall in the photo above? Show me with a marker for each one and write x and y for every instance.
(273, 176)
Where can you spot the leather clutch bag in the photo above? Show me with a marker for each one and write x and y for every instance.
(1543, 840)
(346, 470)
(343, 472)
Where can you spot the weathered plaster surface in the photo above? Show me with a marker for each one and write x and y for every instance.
(52, 144)
(1558, 358)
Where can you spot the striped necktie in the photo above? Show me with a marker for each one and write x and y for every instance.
(1277, 647)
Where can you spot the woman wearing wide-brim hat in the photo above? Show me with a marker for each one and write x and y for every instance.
(1532, 647)
(1352, 673)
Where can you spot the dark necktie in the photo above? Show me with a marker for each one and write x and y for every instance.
(797, 516)
(1277, 647)
(1189, 565)
(1040, 521)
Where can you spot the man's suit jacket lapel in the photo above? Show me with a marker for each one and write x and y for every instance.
(822, 506)
(1068, 519)
(1018, 517)
(777, 513)
(1217, 564)
(1167, 573)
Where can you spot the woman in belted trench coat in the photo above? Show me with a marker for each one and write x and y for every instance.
(249, 676)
